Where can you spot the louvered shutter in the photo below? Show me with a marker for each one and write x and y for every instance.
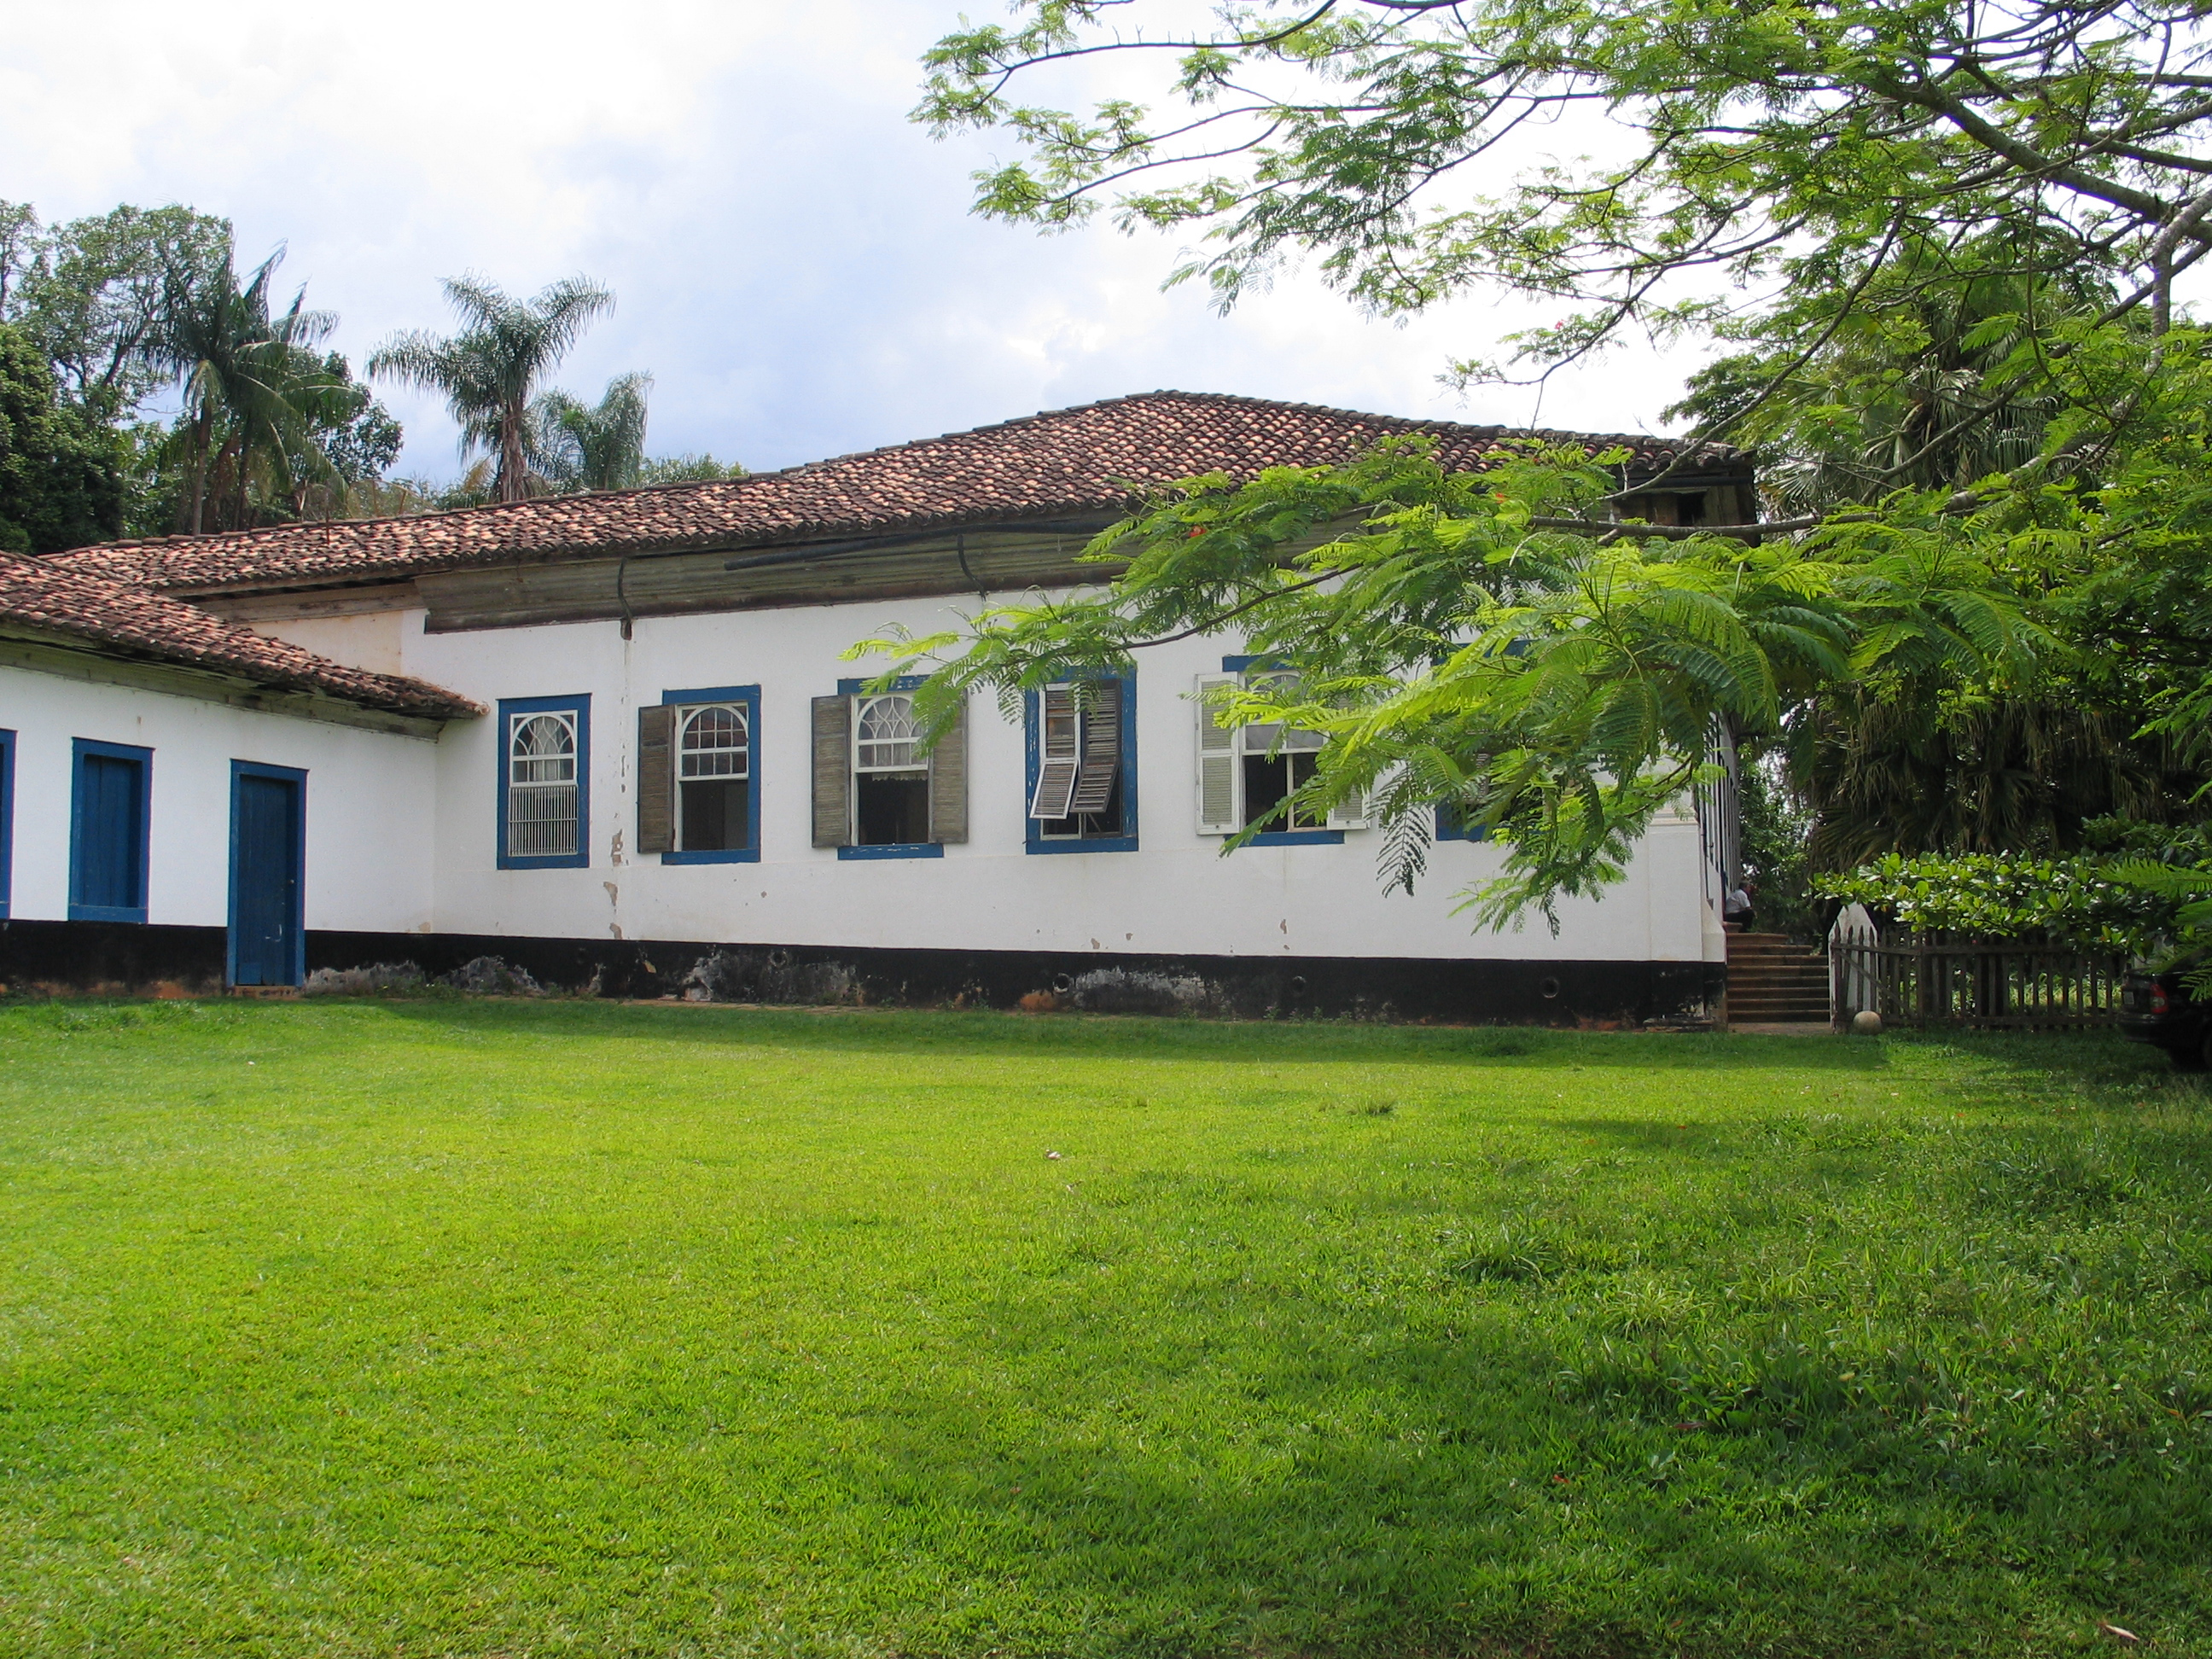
(656, 779)
(1058, 759)
(1218, 780)
(833, 771)
(948, 783)
(1102, 749)
(1350, 813)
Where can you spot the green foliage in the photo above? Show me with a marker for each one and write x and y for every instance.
(1814, 153)
(92, 295)
(491, 370)
(1496, 642)
(255, 390)
(1938, 243)
(1922, 372)
(492, 1327)
(687, 469)
(1774, 828)
(61, 480)
(2085, 902)
(575, 446)
(125, 304)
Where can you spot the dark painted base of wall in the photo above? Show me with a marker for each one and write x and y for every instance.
(54, 957)
(109, 957)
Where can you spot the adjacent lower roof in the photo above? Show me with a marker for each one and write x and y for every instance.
(41, 602)
(1070, 461)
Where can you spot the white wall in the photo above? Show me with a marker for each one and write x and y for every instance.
(369, 823)
(1175, 896)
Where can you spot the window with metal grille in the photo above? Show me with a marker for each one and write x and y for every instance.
(545, 782)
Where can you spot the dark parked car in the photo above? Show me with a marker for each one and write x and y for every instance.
(2155, 1008)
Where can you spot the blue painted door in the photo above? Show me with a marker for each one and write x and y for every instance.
(265, 876)
(111, 831)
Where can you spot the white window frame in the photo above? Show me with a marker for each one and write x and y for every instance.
(1225, 750)
(686, 714)
(917, 761)
(917, 767)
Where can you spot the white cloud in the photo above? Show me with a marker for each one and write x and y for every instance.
(794, 260)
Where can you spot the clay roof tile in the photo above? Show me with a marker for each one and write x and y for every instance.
(1078, 461)
(38, 597)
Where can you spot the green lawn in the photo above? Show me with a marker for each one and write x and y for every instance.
(473, 1328)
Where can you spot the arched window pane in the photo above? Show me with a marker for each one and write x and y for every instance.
(715, 743)
(544, 750)
(886, 737)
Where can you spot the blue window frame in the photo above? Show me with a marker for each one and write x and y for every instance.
(1035, 840)
(718, 766)
(545, 783)
(1451, 826)
(861, 689)
(7, 817)
(1280, 837)
(111, 801)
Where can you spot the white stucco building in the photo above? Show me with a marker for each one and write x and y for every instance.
(612, 739)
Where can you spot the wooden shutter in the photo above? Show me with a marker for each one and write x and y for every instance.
(948, 783)
(1102, 749)
(656, 779)
(1219, 783)
(833, 771)
(1058, 757)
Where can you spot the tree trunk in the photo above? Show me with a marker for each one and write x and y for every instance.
(238, 522)
(514, 474)
(203, 429)
(216, 479)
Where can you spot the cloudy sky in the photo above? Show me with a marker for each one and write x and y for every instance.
(794, 261)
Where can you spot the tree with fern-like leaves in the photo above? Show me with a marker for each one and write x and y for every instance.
(254, 386)
(1938, 246)
(493, 368)
(579, 446)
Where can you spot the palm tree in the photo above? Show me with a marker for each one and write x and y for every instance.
(575, 446)
(490, 369)
(251, 377)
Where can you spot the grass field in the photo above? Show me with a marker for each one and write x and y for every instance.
(506, 1328)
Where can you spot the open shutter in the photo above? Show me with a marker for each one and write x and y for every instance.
(833, 771)
(1102, 749)
(1058, 759)
(1218, 779)
(656, 779)
(948, 783)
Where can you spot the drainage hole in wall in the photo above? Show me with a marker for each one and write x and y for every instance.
(1298, 985)
(779, 957)
(1550, 987)
(1062, 983)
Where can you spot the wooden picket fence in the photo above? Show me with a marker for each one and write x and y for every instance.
(1941, 979)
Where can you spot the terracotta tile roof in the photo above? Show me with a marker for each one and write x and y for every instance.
(37, 599)
(1069, 460)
